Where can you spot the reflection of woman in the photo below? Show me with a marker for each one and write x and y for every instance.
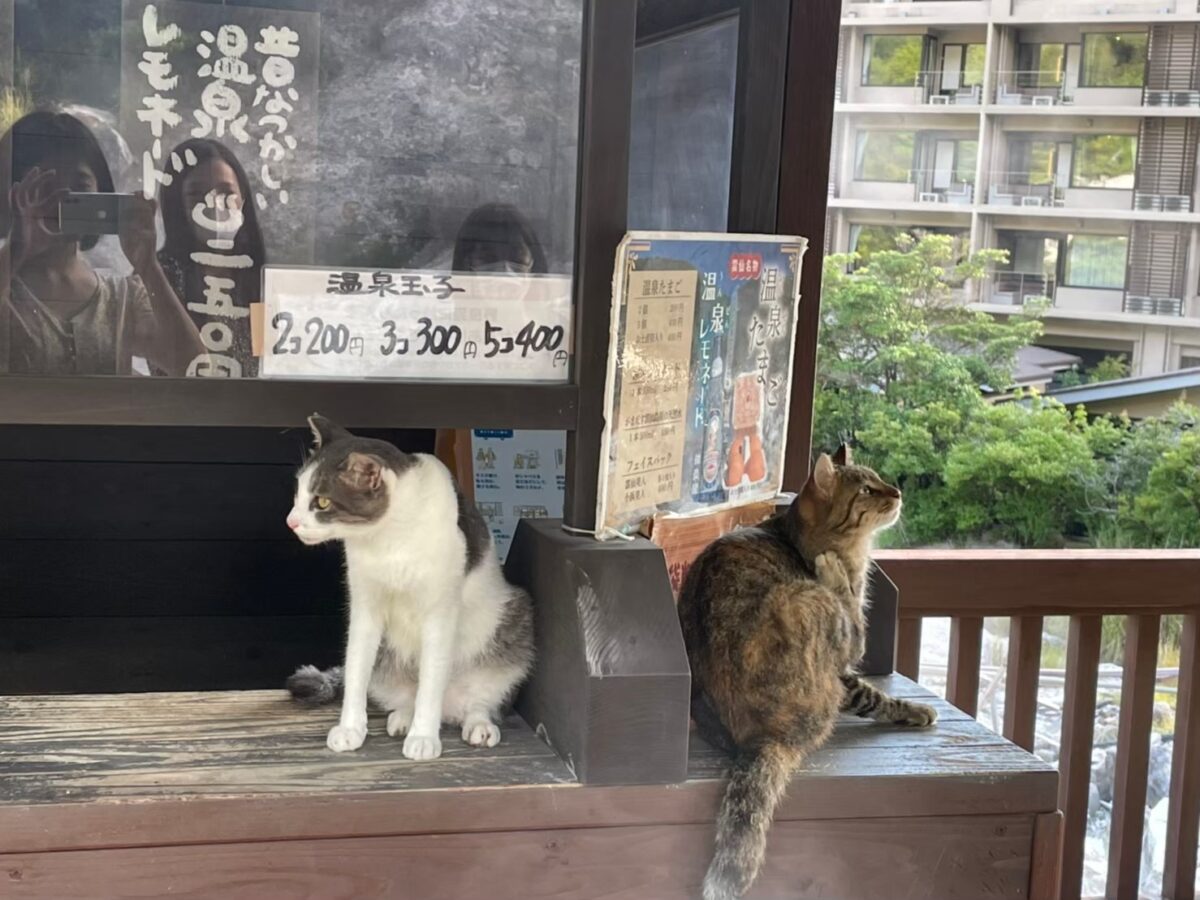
(58, 316)
(494, 238)
(211, 202)
(497, 238)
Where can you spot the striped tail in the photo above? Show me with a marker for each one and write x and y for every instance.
(756, 782)
(312, 687)
(868, 702)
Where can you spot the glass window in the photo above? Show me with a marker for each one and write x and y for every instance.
(892, 60)
(973, 64)
(870, 239)
(885, 156)
(1041, 65)
(965, 154)
(303, 135)
(1104, 161)
(1095, 261)
(1114, 59)
(682, 140)
(1042, 162)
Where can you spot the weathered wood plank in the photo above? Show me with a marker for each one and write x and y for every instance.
(949, 857)
(908, 648)
(966, 649)
(1021, 687)
(1183, 811)
(103, 771)
(1133, 756)
(1047, 844)
(1075, 758)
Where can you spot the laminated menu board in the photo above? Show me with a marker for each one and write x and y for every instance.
(699, 374)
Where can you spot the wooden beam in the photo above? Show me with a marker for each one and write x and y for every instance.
(803, 191)
(1047, 845)
(908, 648)
(1021, 688)
(1183, 812)
(962, 678)
(1133, 756)
(1075, 756)
(1043, 582)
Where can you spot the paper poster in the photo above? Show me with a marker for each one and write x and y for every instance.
(517, 475)
(360, 323)
(700, 370)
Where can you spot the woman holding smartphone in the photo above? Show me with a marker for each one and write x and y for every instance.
(58, 316)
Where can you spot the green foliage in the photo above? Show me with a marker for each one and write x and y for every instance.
(900, 373)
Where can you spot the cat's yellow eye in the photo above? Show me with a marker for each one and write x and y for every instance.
(324, 503)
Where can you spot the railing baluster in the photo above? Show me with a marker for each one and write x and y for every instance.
(1133, 756)
(1183, 811)
(962, 677)
(908, 648)
(1075, 757)
(1021, 680)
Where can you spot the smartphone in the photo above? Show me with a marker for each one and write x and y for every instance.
(86, 214)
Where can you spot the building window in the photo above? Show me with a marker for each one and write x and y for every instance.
(973, 63)
(891, 60)
(1095, 261)
(866, 240)
(965, 154)
(1189, 359)
(1041, 65)
(884, 156)
(1104, 161)
(1114, 59)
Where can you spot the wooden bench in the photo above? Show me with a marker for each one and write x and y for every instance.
(233, 795)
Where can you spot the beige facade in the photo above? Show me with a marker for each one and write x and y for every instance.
(1065, 133)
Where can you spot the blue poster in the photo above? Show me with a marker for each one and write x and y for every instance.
(700, 370)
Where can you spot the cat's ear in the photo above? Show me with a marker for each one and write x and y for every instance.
(325, 431)
(823, 478)
(844, 455)
(362, 472)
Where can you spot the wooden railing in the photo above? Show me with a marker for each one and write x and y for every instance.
(1027, 586)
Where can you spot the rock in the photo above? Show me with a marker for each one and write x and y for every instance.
(1159, 782)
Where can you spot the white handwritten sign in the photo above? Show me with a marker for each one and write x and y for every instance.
(364, 323)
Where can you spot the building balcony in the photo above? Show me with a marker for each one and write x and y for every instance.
(950, 11)
(1046, 91)
(1083, 10)
(1008, 189)
(933, 187)
(1016, 289)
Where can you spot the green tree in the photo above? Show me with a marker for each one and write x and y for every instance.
(1167, 512)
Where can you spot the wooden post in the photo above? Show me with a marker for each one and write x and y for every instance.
(1133, 756)
(962, 677)
(1183, 813)
(1024, 669)
(908, 648)
(1075, 755)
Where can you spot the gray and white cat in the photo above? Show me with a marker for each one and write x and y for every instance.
(436, 632)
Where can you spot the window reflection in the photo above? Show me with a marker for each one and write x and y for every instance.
(195, 144)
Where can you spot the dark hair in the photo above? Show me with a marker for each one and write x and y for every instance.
(499, 230)
(180, 238)
(42, 138)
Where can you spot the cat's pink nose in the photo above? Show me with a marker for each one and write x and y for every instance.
(293, 521)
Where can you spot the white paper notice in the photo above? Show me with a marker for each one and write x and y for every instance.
(364, 323)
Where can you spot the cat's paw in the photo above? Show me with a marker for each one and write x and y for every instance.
(916, 715)
(399, 721)
(831, 573)
(481, 733)
(422, 747)
(346, 737)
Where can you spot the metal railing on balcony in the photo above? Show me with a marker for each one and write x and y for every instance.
(1019, 288)
(1024, 189)
(1153, 306)
(933, 91)
(1030, 87)
(940, 186)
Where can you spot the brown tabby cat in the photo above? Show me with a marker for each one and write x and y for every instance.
(773, 621)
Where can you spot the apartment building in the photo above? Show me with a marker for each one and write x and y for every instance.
(1065, 133)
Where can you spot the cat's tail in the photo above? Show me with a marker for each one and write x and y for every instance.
(313, 687)
(756, 782)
